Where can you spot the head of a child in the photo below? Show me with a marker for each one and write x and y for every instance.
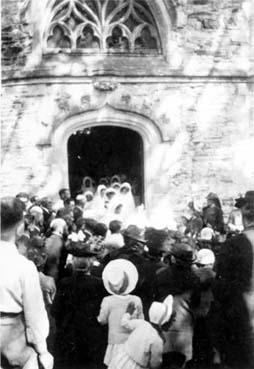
(100, 230)
(115, 226)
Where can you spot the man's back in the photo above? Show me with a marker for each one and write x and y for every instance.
(23, 317)
(13, 269)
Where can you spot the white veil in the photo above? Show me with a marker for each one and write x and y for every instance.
(126, 198)
(99, 201)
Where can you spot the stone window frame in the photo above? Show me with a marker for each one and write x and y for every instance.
(101, 25)
(164, 13)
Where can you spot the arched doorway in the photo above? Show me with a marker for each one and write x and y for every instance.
(106, 115)
(104, 151)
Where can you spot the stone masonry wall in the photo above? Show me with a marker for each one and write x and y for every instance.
(206, 129)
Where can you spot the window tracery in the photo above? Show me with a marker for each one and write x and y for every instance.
(111, 26)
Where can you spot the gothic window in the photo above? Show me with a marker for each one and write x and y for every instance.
(111, 26)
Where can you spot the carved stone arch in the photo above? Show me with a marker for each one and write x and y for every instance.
(164, 12)
(105, 116)
(109, 115)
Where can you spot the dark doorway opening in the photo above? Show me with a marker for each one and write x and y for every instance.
(106, 151)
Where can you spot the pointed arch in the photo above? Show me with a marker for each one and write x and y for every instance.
(128, 15)
(158, 15)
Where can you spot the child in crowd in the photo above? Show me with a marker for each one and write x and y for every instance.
(120, 278)
(144, 346)
(114, 239)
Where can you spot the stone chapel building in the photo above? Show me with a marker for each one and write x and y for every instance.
(159, 90)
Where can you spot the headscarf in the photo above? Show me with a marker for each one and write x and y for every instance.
(58, 226)
(37, 213)
(116, 212)
(116, 186)
(89, 210)
(110, 202)
(109, 206)
(127, 200)
(99, 198)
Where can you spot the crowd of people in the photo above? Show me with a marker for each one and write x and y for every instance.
(82, 285)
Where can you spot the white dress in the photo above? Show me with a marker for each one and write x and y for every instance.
(123, 361)
(143, 348)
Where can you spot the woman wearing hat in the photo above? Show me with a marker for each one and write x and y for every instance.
(144, 346)
(120, 278)
(179, 280)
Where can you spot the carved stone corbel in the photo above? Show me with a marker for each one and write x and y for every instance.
(105, 85)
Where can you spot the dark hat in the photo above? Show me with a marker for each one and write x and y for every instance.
(80, 222)
(249, 197)
(90, 223)
(212, 196)
(133, 232)
(155, 239)
(240, 202)
(83, 251)
(183, 252)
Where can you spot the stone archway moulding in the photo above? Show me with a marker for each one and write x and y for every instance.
(107, 115)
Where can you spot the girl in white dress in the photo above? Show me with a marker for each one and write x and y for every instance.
(120, 278)
(99, 202)
(126, 198)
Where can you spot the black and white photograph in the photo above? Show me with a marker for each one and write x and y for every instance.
(127, 184)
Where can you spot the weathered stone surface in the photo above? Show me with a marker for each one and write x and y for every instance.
(206, 38)
(16, 37)
(206, 126)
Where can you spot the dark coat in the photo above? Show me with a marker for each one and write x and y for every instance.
(80, 338)
(234, 278)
